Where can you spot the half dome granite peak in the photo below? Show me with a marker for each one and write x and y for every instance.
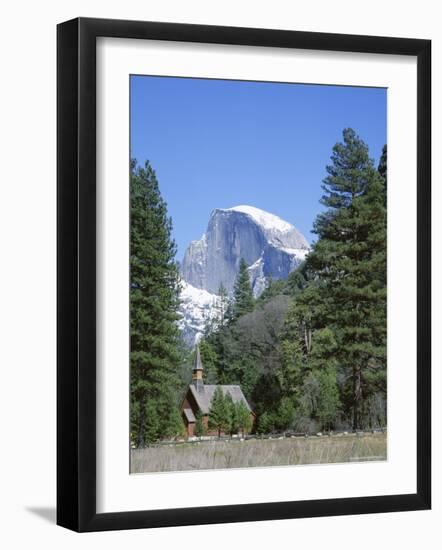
(269, 245)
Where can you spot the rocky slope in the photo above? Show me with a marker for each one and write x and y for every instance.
(270, 246)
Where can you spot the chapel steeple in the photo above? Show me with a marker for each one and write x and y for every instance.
(197, 372)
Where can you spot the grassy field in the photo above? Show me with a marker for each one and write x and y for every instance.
(208, 455)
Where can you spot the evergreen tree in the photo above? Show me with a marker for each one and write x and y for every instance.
(154, 290)
(243, 418)
(285, 414)
(266, 422)
(151, 422)
(232, 423)
(297, 280)
(309, 396)
(242, 292)
(382, 169)
(349, 260)
(309, 362)
(273, 288)
(323, 350)
(291, 367)
(209, 359)
(328, 399)
(200, 428)
(319, 398)
(173, 425)
(222, 307)
(218, 414)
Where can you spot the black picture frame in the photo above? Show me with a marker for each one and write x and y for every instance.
(77, 287)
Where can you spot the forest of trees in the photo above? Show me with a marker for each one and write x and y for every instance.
(310, 352)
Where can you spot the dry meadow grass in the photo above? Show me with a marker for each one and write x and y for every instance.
(208, 455)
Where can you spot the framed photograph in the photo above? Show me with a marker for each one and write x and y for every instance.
(243, 274)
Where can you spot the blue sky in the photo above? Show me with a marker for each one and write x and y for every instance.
(220, 143)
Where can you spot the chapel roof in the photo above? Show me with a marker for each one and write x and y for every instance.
(190, 417)
(204, 396)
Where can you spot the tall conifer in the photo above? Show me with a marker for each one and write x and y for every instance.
(219, 415)
(154, 290)
(350, 261)
(382, 169)
(242, 292)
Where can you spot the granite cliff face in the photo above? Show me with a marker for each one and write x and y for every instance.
(270, 246)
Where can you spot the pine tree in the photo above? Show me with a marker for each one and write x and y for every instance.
(273, 288)
(266, 422)
(222, 307)
(292, 345)
(382, 169)
(151, 423)
(291, 364)
(232, 423)
(219, 414)
(297, 280)
(173, 425)
(154, 290)
(242, 292)
(200, 429)
(349, 260)
(243, 418)
(285, 414)
(209, 359)
(328, 400)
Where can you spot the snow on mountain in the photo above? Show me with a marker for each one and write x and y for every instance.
(196, 308)
(277, 231)
(272, 225)
(300, 253)
(270, 246)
